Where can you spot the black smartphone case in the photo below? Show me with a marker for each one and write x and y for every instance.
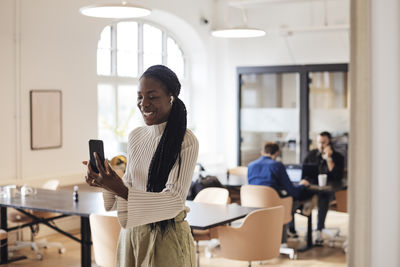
(96, 146)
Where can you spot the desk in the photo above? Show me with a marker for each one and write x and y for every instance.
(60, 202)
(319, 189)
(204, 216)
(233, 185)
(201, 216)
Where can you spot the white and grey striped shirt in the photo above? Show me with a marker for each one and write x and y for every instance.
(146, 207)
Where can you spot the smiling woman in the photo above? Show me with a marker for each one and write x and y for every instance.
(150, 198)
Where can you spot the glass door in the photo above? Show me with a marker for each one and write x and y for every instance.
(269, 112)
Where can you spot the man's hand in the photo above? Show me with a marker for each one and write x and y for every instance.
(327, 153)
(305, 183)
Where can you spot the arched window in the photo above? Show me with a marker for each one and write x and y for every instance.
(124, 51)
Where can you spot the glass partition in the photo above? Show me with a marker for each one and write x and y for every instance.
(329, 109)
(269, 112)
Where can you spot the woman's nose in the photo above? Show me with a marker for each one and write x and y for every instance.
(145, 102)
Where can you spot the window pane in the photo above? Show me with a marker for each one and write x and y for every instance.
(106, 116)
(127, 48)
(152, 46)
(104, 52)
(127, 111)
(175, 58)
(105, 38)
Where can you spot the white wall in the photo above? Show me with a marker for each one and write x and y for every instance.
(385, 98)
(7, 92)
(57, 50)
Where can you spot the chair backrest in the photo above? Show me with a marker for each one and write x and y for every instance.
(341, 200)
(105, 233)
(258, 238)
(51, 184)
(239, 171)
(213, 195)
(260, 196)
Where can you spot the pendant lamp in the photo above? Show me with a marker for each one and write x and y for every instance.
(238, 32)
(121, 10)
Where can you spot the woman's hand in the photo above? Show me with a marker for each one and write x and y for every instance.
(106, 178)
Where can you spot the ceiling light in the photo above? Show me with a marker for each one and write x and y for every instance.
(241, 32)
(238, 32)
(122, 10)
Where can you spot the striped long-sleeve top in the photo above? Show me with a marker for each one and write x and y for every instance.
(143, 207)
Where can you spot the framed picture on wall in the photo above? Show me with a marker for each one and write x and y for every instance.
(46, 119)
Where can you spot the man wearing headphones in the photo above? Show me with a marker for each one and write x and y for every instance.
(331, 163)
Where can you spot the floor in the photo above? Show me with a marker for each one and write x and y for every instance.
(318, 256)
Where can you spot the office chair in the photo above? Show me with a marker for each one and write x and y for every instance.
(19, 218)
(260, 196)
(105, 233)
(257, 239)
(209, 195)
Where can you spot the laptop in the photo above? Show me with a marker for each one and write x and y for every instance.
(294, 172)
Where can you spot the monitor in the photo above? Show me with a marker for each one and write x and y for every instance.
(294, 172)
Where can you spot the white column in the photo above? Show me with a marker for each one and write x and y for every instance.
(360, 177)
(385, 100)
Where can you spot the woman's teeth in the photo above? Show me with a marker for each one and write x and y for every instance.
(147, 113)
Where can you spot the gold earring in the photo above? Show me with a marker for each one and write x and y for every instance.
(172, 99)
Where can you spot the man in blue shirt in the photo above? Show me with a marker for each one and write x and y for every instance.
(267, 171)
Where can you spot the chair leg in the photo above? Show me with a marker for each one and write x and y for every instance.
(288, 251)
(249, 264)
(197, 254)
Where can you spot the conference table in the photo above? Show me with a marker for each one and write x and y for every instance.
(201, 216)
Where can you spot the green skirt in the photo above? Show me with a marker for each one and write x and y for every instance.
(141, 247)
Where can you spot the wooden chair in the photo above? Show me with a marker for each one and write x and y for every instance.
(259, 196)
(237, 171)
(105, 233)
(257, 239)
(335, 238)
(235, 178)
(3, 234)
(209, 195)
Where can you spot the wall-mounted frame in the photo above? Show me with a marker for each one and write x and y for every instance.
(46, 119)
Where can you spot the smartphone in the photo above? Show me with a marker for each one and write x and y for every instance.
(96, 146)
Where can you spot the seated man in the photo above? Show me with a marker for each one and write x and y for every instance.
(331, 163)
(267, 171)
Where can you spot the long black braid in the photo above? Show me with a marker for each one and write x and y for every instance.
(169, 148)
